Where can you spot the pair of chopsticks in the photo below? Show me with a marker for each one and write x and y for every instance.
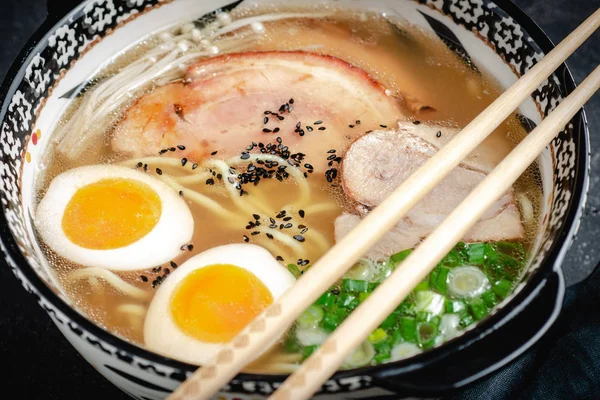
(259, 334)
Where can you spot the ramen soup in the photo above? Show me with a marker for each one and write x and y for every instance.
(203, 171)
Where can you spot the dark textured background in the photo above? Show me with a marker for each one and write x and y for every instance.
(38, 363)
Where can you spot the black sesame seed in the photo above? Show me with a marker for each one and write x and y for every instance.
(383, 126)
(279, 258)
(157, 269)
(267, 112)
(210, 181)
(417, 122)
(276, 130)
(309, 128)
(181, 193)
(331, 157)
(140, 165)
(159, 171)
(246, 239)
(255, 233)
(167, 272)
(303, 231)
(267, 130)
(291, 101)
(439, 134)
(181, 147)
(256, 216)
(195, 166)
(357, 122)
(172, 149)
(173, 265)
(335, 292)
(245, 156)
(279, 117)
(220, 177)
(190, 247)
(322, 128)
(266, 120)
(369, 131)
(301, 226)
(144, 278)
(145, 167)
(301, 213)
(213, 153)
(288, 226)
(350, 126)
(286, 219)
(163, 151)
(270, 236)
(299, 238)
(331, 151)
(231, 180)
(183, 247)
(184, 161)
(319, 122)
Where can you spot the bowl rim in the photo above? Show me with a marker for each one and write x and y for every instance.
(550, 265)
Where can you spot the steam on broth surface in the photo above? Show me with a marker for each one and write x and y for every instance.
(268, 169)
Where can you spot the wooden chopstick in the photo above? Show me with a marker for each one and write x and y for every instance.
(371, 313)
(207, 380)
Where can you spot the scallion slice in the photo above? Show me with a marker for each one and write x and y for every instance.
(477, 253)
(311, 336)
(427, 334)
(429, 301)
(449, 326)
(360, 356)
(467, 282)
(502, 288)
(404, 350)
(353, 285)
(311, 317)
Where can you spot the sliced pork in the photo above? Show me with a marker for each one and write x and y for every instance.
(221, 107)
(377, 163)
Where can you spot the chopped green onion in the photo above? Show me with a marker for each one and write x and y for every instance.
(478, 309)
(352, 285)
(360, 356)
(449, 326)
(399, 257)
(311, 317)
(489, 298)
(363, 270)
(326, 300)
(467, 282)
(466, 319)
(308, 350)
(363, 296)
(408, 329)
(440, 282)
(310, 336)
(404, 350)
(452, 259)
(381, 357)
(331, 321)
(427, 334)
(477, 253)
(293, 268)
(390, 321)
(396, 337)
(423, 285)
(429, 301)
(347, 300)
(378, 335)
(406, 307)
(491, 256)
(502, 288)
(454, 306)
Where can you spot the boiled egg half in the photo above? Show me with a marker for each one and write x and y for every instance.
(113, 217)
(210, 298)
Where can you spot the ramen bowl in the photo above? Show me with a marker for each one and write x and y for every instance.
(77, 40)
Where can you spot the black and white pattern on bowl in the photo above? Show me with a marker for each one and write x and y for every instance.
(152, 377)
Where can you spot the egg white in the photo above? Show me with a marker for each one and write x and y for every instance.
(161, 333)
(174, 228)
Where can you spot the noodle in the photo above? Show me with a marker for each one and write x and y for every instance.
(111, 278)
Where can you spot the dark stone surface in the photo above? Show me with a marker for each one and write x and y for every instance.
(39, 364)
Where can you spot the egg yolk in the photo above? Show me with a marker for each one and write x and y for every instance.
(213, 304)
(111, 213)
